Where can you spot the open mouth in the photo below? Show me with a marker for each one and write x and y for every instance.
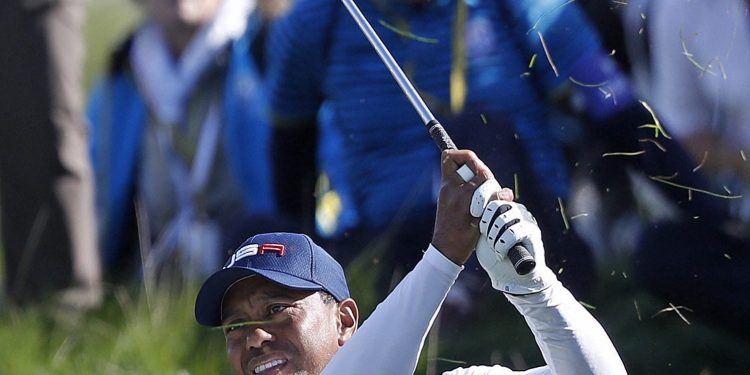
(268, 365)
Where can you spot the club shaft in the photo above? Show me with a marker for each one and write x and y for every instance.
(398, 74)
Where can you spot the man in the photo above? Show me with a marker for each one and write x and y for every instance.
(286, 309)
(171, 124)
(46, 188)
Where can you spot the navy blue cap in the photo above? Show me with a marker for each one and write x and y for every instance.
(289, 259)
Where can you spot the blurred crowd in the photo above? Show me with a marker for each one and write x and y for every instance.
(623, 126)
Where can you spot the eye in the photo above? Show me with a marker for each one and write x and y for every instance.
(275, 309)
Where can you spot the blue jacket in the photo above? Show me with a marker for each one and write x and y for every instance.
(372, 146)
(118, 115)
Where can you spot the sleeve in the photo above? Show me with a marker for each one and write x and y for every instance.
(567, 33)
(571, 340)
(677, 94)
(294, 169)
(296, 60)
(409, 310)
(573, 46)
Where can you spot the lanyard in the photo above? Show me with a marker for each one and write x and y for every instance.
(188, 183)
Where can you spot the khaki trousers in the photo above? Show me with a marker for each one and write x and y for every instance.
(46, 192)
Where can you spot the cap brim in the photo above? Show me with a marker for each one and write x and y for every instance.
(211, 295)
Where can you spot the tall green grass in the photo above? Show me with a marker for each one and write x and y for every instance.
(130, 334)
(136, 333)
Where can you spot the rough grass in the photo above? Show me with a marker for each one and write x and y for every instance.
(128, 335)
(133, 334)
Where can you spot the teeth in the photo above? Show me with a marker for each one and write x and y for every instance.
(268, 365)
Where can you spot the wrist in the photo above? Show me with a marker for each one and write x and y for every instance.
(440, 262)
(457, 257)
(537, 281)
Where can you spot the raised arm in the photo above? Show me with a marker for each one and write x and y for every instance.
(390, 340)
(571, 340)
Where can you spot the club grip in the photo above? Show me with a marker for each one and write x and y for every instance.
(521, 259)
(440, 136)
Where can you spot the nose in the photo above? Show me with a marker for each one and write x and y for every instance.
(257, 337)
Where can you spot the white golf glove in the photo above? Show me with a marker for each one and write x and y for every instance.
(482, 196)
(503, 225)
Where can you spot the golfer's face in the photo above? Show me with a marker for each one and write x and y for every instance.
(292, 332)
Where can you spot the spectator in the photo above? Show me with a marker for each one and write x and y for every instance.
(700, 54)
(48, 225)
(471, 62)
(178, 127)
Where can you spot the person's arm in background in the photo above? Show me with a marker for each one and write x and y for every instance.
(295, 53)
(573, 68)
(293, 150)
(589, 82)
(592, 84)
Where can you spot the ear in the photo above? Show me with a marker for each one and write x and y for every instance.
(348, 319)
